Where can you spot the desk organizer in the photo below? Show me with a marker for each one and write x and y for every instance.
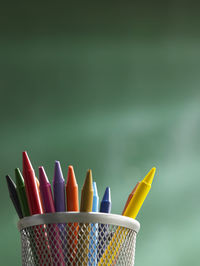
(72, 238)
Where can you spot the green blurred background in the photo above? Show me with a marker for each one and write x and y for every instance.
(112, 86)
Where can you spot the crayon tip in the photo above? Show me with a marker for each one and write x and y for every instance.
(18, 177)
(58, 175)
(107, 195)
(95, 192)
(26, 162)
(10, 183)
(13, 196)
(87, 193)
(149, 177)
(88, 179)
(43, 177)
(71, 179)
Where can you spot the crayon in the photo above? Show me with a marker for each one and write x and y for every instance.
(72, 191)
(13, 196)
(59, 188)
(45, 190)
(52, 229)
(130, 197)
(38, 188)
(87, 193)
(131, 211)
(72, 206)
(95, 203)
(94, 229)
(106, 201)
(21, 192)
(84, 230)
(127, 202)
(35, 207)
(60, 205)
(31, 186)
(140, 195)
(17, 196)
(105, 207)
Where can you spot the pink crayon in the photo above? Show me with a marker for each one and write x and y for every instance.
(52, 229)
(46, 193)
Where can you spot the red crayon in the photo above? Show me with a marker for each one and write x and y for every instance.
(32, 193)
(35, 206)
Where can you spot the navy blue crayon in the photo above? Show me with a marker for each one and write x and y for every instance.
(103, 229)
(13, 196)
(106, 202)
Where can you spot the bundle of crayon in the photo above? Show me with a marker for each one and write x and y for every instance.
(32, 196)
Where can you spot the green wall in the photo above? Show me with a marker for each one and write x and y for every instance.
(114, 87)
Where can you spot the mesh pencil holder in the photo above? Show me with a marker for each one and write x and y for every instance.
(73, 238)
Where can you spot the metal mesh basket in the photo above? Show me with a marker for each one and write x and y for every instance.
(78, 239)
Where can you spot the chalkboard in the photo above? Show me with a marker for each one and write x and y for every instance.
(113, 87)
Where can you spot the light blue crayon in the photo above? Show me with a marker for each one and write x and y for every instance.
(94, 229)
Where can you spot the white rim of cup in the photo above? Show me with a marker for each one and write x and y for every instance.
(79, 217)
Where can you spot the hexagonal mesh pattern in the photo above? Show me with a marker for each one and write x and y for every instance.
(78, 244)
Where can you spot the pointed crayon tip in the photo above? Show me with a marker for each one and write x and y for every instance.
(71, 179)
(95, 192)
(9, 180)
(26, 163)
(13, 196)
(43, 177)
(95, 203)
(87, 193)
(11, 184)
(107, 195)
(58, 175)
(149, 177)
(88, 180)
(19, 178)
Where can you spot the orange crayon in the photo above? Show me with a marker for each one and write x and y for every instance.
(38, 187)
(130, 197)
(72, 191)
(72, 206)
(127, 202)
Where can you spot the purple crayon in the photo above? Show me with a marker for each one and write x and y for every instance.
(59, 202)
(59, 189)
(52, 229)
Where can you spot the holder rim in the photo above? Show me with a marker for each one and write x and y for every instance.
(79, 217)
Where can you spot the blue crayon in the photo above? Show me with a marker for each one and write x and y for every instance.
(94, 229)
(106, 202)
(103, 229)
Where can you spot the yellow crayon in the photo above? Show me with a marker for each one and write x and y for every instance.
(84, 229)
(140, 195)
(131, 211)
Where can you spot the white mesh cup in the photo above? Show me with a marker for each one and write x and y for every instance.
(74, 238)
